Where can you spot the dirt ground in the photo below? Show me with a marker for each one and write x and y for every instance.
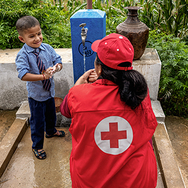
(177, 129)
(6, 120)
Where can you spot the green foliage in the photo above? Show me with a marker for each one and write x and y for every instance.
(54, 15)
(55, 28)
(173, 91)
(150, 14)
(7, 23)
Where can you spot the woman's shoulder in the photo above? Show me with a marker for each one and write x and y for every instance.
(80, 88)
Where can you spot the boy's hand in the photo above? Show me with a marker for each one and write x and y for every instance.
(51, 70)
(48, 73)
(56, 68)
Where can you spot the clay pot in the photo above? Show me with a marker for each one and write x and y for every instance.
(58, 102)
(135, 30)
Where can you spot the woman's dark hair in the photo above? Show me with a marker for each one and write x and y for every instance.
(132, 84)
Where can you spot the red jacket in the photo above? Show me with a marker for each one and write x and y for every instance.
(110, 141)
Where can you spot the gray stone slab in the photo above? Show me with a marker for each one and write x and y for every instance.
(158, 111)
(171, 173)
(24, 111)
(10, 142)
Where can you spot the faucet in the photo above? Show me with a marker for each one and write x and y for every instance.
(83, 33)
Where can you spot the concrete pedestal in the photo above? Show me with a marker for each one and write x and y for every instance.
(82, 54)
(150, 66)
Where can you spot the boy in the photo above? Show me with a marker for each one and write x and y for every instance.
(36, 62)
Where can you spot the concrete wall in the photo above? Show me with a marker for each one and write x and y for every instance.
(13, 90)
(150, 66)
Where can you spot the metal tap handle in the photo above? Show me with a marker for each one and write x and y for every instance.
(82, 25)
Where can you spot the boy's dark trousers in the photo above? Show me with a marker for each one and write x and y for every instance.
(43, 118)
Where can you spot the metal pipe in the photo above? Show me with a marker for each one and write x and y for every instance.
(89, 4)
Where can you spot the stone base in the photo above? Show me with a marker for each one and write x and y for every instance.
(149, 65)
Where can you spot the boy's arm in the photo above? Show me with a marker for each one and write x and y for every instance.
(32, 77)
(37, 77)
(22, 66)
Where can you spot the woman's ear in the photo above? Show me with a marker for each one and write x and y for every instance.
(98, 67)
(21, 39)
(99, 70)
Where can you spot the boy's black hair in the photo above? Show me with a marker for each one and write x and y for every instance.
(25, 23)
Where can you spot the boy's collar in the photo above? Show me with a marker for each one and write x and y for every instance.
(31, 50)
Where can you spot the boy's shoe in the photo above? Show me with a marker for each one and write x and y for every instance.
(39, 154)
(58, 134)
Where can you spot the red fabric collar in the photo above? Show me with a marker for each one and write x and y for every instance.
(104, 82)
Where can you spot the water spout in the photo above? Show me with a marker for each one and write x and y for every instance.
(83, 37)
(83, 33)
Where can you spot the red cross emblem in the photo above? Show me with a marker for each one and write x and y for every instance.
(114, 135)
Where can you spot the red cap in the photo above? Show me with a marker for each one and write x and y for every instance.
(113, 50)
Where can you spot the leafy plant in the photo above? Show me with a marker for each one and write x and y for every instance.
(173, 16)
(56, 29)
(173, 91)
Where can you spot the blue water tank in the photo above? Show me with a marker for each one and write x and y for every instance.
(95, 21)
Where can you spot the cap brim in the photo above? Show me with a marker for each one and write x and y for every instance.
(95, 45)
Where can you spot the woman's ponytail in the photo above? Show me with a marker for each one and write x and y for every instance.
(132, 84)
(132, 88)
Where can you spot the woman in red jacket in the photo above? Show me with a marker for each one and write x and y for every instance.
(112, 122)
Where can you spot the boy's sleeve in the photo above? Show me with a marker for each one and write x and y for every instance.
(22, 65)
(56, 58)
